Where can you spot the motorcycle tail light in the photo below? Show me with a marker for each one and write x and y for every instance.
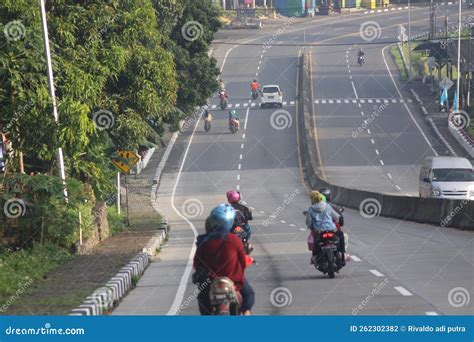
(328, 235)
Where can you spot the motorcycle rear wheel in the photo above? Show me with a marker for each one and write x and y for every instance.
(330, 257)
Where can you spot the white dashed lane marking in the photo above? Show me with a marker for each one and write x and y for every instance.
(403, 291)
(376, 273)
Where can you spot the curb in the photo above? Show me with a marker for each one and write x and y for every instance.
(102, 300)
(433, 125)
(156, 241)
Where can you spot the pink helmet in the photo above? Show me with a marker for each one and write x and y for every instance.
(233, 196)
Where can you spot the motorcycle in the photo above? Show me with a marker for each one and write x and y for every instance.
(254, 94)
(240, 232)
(329, 258)
(361, 60)
(233, 125)
(223, 99)
(225, 300)
(207, 126)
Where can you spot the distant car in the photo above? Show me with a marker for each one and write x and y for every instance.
(271, 96)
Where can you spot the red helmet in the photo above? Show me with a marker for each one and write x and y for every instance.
(233, 196)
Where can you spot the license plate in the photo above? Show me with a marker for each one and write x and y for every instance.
(271, 97)
(329, 248)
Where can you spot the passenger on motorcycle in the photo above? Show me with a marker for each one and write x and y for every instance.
(320, 217)
(326, 192)
(234, 116)
(222, 254)
(243, 213)
(221, 85)
(207, 116)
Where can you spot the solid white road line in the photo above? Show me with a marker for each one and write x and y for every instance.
(376, 273)
(178, 299)
(403, 291)
(407, 108)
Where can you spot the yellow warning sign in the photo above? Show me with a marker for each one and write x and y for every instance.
(126, 160)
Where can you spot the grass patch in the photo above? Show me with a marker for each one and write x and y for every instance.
(19, 269)
(116, 221)
(397, 58)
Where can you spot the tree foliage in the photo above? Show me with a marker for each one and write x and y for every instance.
(126, 57)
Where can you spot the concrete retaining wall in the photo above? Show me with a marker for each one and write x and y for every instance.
(444, 213)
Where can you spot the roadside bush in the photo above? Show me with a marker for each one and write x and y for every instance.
(37, 210)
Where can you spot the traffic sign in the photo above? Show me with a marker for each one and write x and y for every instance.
(446, 83)
(126, 160)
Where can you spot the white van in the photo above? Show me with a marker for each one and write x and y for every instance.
(447, 177)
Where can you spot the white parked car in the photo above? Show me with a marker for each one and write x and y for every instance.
(271, 96)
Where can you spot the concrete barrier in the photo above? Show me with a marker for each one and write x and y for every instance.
(438, 212)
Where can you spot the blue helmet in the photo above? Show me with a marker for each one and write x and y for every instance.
(232, 112)
(222, 218)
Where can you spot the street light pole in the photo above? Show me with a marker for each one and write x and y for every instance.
(458, 69)
(47, 52)
(409, 41)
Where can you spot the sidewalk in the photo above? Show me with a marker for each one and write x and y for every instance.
(440, 119)
(66, 287)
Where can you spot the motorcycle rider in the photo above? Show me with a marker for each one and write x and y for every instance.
(360, 54)
(207, 117)
(223, 255)
(243, 213)
(320, 217)
(234, 116)
(221, 85)
(254, 86)
(326, 192)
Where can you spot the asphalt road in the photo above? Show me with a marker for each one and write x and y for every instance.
(399, 267)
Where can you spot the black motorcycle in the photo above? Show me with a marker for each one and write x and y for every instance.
(207, 126)
(328, 259)
(254, 94)
(361, 60)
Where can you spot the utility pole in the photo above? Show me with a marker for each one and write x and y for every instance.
(432, 21)
(458, 69)
(59, 152)
(409, 41)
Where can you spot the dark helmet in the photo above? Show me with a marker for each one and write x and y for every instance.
(254, 80)
(327, 193)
